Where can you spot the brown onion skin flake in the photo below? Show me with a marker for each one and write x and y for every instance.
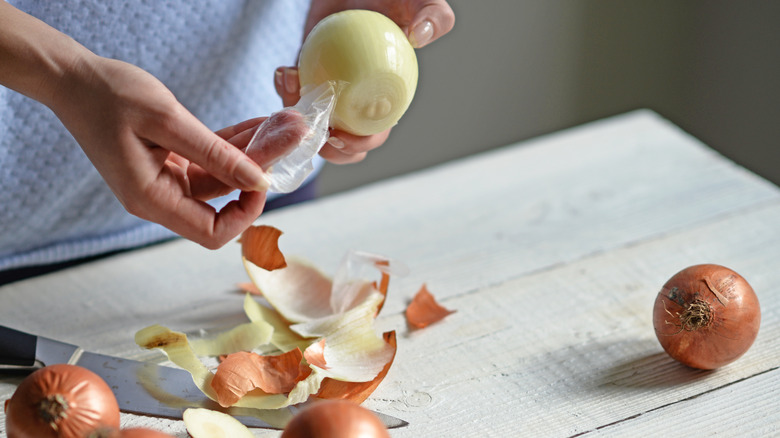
(706, 316)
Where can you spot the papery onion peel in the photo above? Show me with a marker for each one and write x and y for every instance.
(357, 392)
(317, 338)
(424, 310)
(242, 372)
(260, 245)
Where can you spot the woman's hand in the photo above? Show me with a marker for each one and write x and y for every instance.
(423, 21)
(157, 158)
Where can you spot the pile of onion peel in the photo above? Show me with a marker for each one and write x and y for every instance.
(424, 310)
(60, 400)
(706, 316)
(309, 317)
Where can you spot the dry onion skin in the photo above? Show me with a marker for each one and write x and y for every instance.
(60, 401)
(335, 419)
(424, 310)
(706, 316)
(371, 62)
(356, 392)
(317, 339)
(260, 245)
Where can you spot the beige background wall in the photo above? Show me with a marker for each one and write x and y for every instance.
(513, 70)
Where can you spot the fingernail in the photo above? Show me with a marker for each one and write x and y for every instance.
(278, 78)
(249, 175)
(336, 142)
(421, 34)
(291, 82)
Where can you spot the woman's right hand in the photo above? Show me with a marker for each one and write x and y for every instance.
(160, 161)
(157, 158)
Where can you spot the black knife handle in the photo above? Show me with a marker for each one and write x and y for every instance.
(17, 348)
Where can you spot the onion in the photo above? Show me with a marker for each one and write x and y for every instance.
(371, 60)
(60, 401)
(706, 316)
(142, 432)
(132, 432)
(335, 419)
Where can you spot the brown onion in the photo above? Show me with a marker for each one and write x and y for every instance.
(706, 316)
(335, 419)
(60, 401)
(132, 432)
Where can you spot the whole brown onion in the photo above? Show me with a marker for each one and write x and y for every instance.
(60, 401)
(706, 316)
(335, 419)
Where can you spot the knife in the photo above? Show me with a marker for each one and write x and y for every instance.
(140, 387)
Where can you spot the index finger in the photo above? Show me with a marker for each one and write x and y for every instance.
(183, 134)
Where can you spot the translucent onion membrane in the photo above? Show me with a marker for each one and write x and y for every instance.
(706, 316)
(373, 64)
(317, 337)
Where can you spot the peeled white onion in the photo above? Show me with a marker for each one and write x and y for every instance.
(371, 62)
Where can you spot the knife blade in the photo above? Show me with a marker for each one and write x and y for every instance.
(140, 387)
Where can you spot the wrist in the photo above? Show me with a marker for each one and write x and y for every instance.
(36, 57)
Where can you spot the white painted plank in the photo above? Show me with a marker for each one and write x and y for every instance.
(746, 408)
(550, 201)
(570, 349)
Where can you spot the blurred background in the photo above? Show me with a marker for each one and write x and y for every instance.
(512, 70)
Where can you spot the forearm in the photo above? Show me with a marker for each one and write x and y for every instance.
(35, 57)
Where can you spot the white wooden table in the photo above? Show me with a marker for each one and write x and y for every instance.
(552, 252)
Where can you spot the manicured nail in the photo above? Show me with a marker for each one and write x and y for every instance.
(421, 34)
(336, 142)
(249, 175)
(291, 82)
(279, 78)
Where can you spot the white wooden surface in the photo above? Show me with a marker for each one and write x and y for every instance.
(551, 251)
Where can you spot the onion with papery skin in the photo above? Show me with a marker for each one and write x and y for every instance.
(132, 432)
(370, 61)
(60, 401)
(706, 316)
(335, 419)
